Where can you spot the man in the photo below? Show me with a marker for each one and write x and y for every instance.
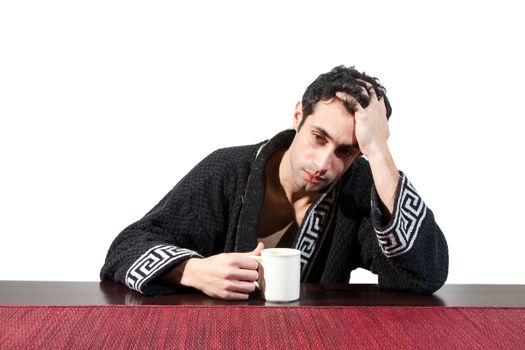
(329, 188)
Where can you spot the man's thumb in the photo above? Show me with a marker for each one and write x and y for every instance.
(257, 250)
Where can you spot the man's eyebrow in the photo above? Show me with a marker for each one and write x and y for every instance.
(346, 146)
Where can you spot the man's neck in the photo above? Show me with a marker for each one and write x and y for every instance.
(284, 207)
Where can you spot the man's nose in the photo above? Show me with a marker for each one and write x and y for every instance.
(323, 161)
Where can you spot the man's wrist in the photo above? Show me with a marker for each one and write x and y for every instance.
(377, 152)
(180, 275)
(185, 272)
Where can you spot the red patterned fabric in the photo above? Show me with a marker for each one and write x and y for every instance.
(251, 327)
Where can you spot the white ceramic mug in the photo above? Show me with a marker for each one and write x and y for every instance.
(279, 274)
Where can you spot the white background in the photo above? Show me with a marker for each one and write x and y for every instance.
(105, 105)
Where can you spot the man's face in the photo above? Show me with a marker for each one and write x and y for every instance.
(324, 147)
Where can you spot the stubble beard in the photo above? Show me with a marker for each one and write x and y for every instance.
(299, 174)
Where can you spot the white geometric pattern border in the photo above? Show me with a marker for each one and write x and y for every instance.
(410, 212)
(152, 261)
(318, 220)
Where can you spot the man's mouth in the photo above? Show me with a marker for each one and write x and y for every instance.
(313, 178)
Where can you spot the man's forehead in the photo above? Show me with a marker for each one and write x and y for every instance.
(339, 97)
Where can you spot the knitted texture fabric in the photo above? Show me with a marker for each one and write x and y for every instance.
(216, 207)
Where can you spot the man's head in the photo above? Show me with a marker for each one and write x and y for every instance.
(325, 144)
(346, 80)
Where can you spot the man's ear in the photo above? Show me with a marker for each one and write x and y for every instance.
(297, 115)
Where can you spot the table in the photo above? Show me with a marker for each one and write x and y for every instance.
(111, 293)
(107, 315)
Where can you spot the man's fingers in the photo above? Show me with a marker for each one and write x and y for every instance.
(243, 275)
(233, 296)
(242, 261)
(233, 290)
(368, 89)
(241, 287)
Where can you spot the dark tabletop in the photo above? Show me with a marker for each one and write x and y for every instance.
(105, 293)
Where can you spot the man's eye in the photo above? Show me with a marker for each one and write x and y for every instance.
(318, 139)
(345, 153)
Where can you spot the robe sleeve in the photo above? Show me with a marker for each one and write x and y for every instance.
(184, 224)
(408, 251)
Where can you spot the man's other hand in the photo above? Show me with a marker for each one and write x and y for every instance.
(228, 276)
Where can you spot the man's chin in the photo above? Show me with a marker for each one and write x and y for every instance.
(310, 187)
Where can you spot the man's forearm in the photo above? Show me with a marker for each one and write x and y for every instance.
(386, 177)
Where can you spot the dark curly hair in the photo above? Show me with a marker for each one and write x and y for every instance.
(347, 80)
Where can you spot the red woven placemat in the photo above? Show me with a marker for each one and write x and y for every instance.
(249, 327)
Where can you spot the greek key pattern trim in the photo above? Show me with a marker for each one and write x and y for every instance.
(410, 212)
(154, 260)
(317, 222)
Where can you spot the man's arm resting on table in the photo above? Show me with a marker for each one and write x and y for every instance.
(227, 276)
